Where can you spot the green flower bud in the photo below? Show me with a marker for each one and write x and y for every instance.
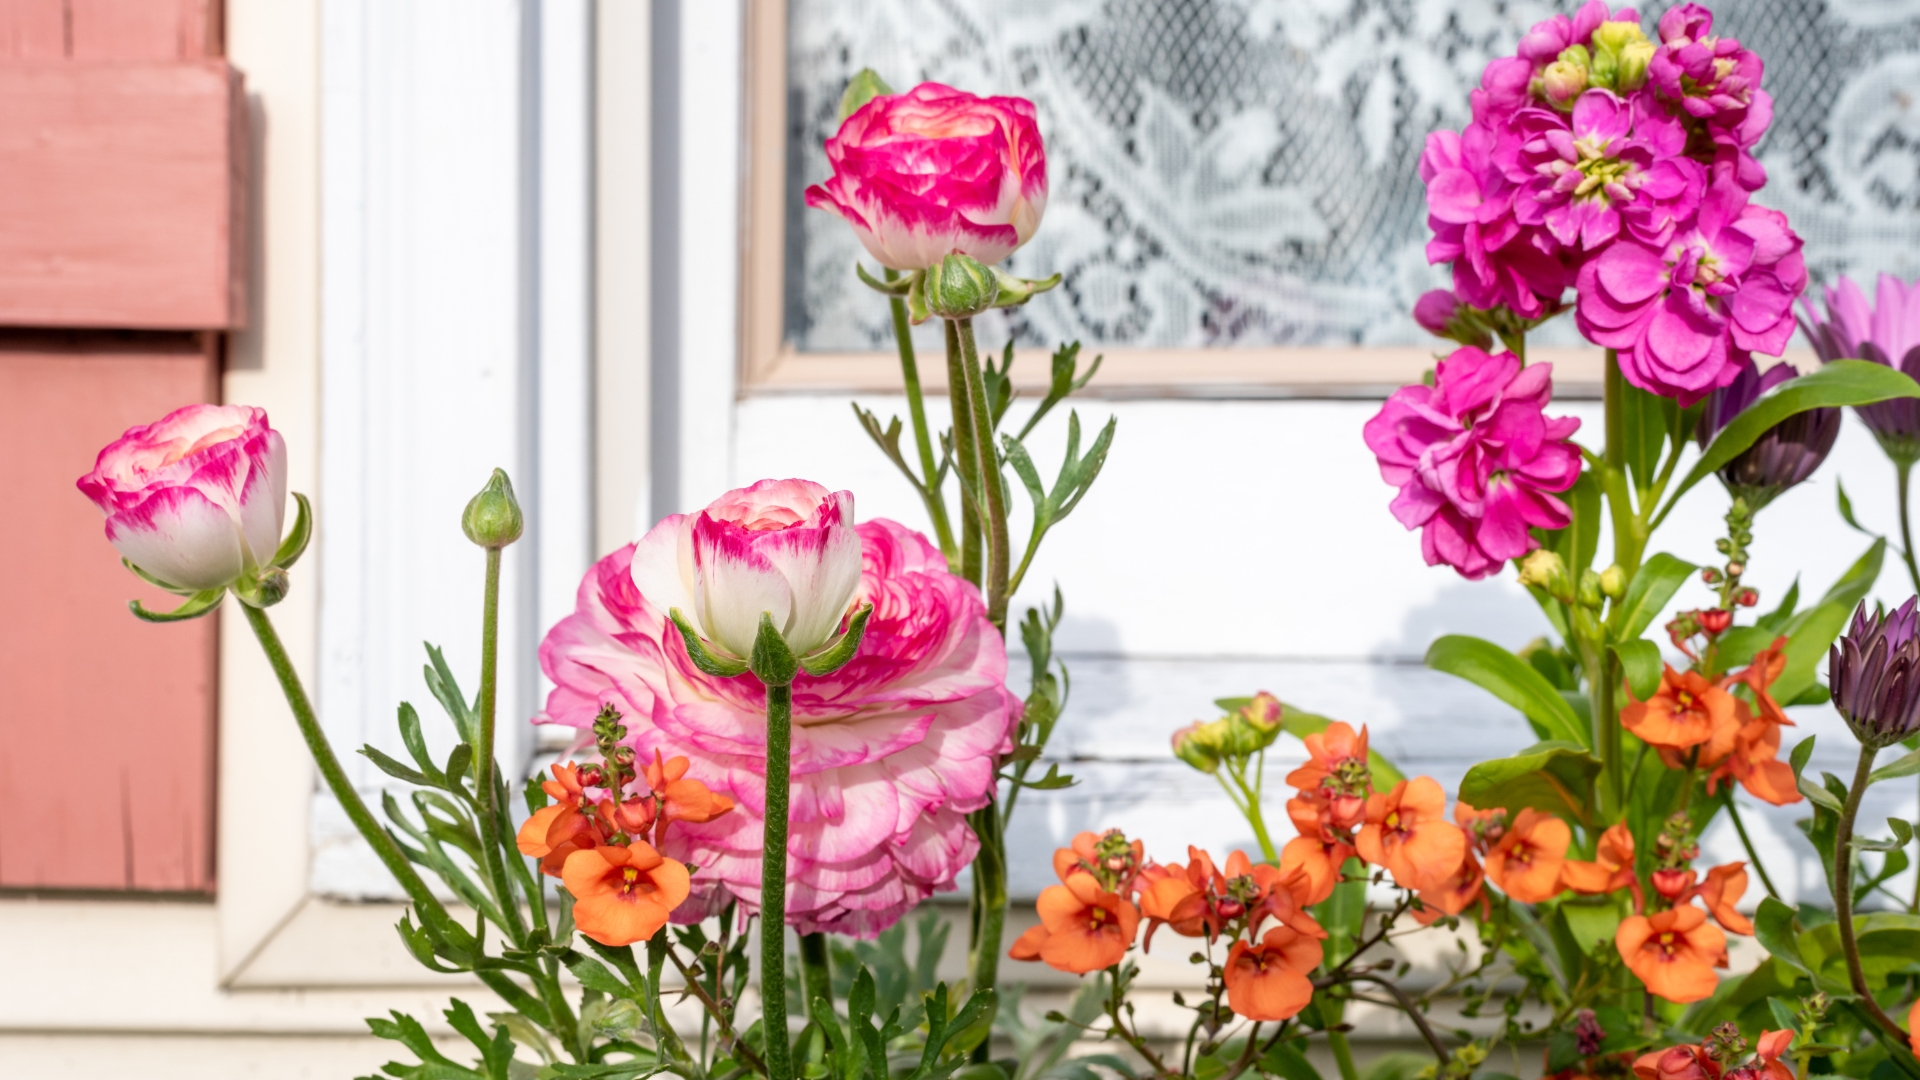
(1610, 42)
(1589, 589)
(1562, 82)
(1542, 569)
(1198, 745)
(862, 88)
(493, 519)
(1613, 582)
(1634, 60)
(959, 287)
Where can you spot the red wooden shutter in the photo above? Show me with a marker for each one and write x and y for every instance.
(121, 191)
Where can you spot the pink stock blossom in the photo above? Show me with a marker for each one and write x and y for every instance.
(195, 498)
(934, 171)
(1683, 316)
(1612, 162)
(1497, 261)
(889, 753)
(1717, 82)
(1477, 459)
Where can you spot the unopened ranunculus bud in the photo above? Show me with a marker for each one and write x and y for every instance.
(1562, 82)
(1613, 582)
(865, 85)
(492, 518)
(959, 287)
(1197, 746)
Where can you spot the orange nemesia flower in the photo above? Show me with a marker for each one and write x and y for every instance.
(624, 894)
(1198, 900)
(1673, 952)
(1747, 750)
(1084, 856)
(1335, 772)
(1724, 887)
(1683, 713)
(1451, 897)
(680, 799)
(1178, 896)
(1083, 928)
(1318, 852)
(1913, 1026)
(1406, 833)
(554, 832)
(1611, 869)
(1677, 1063)
(1767, 1050)
(1268, 981)
(1526, 863)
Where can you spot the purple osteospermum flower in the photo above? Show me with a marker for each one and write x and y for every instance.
(1788, 453)
(1613, 162)
(1885, 332)
(1684, 315)
(1476, 459)
(1874, 672)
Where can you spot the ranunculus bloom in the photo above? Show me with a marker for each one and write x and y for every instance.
(1407, 832)
(1684, 315)
(1083, 928)
(1673, 952)
(1526, 863)
(935, 171)
(786, 548)
(1613, 163)
(1477, 459)
(1684, 712)
(1269, 981)
(1886, 332)
(196, 498)
(1611, 869)
(889, 753)
(623, 894)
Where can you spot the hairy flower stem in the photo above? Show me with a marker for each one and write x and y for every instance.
(999, 566)
(773, 884)
(987, 914)
(432, 913)
(922, 439)
(964, 458)
(1843, 894)
(483, 763)
(816, 972)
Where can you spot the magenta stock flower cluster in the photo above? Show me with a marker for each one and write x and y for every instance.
(1622, 166)
(1477, 459)
(889, 753)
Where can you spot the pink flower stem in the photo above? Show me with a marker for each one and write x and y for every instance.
(964, 460)
(773, 885)
(930, 486)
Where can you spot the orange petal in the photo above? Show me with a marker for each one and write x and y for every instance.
(1027, 946)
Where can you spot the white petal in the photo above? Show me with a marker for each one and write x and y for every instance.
(263, 500)
(181, 537)
(736, 585)
(657, 569)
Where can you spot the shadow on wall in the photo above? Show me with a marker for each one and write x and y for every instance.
(1497, 609)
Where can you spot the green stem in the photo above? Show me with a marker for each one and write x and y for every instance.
(987, 915)
(816, 971)
(773, 885)
(1606, 722)
(998, 563)
(483, 763)
(965, 461)
(1843, 895)
(1342, 1052)
(1250, 808)
(922, 438)
(1902, 469)
(1740, 827)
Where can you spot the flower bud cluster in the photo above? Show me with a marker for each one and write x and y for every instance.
(1233, 739)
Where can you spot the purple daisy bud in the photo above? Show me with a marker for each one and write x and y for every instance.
(1886, 331)
(1786, 454)
(1874, 672)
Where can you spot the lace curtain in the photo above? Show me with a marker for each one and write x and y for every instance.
(1242, 172)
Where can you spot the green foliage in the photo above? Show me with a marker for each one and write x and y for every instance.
(1513, 681)
(1553, 776)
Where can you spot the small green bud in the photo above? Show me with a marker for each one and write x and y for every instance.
(1613, 582)
(1562, 82)
(865, 85)
(1198, 746)
(959, 287)
(1634, 60)
(1589, 589)
(493, 519)
(1610, 43)
(1542, 569)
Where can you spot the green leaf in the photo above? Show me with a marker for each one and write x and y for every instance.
(1641, 664)
(1287, 1062)
(1907, 765)
(396, 770)
(1554, 776)
(446, 690)
(1646, 421)
(1513, 681)
(295, 543)
(1300, 723)
(416, 743)
(1774, 928)
(1842, 382)
(1846, 509)
(200, 603)
(1853, 586)
(865, 85)
(594, 976)
(1652, 586)
(1592, 920)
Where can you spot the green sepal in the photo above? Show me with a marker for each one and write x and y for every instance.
(917, 310)
(154, 581)
(266, 589)
(899, 286)
(865, 85)
(198, 604)
(1013, 291)
(722, 667)
(772, 662)
(835, 656)
(295, 543)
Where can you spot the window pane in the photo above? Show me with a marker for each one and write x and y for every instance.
(1242, 172)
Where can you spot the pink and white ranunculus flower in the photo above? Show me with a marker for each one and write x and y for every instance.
(197, 498)
(1477, 459)
(937, 171)
(889, 753)
(1685, 315)
(786, 548)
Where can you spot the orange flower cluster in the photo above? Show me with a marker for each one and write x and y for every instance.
(1734, 741)
(623, 888)
(1709, 1060)
(1089, 920)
